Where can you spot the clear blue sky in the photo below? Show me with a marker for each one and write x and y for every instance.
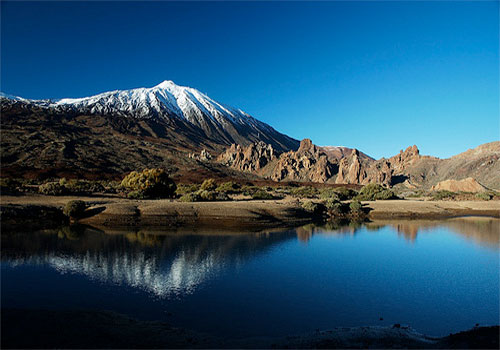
(375, 76)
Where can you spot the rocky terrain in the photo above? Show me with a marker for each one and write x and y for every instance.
(339, 152)
(113, 133)
(465, 185)
(408, 168)
(195, 137)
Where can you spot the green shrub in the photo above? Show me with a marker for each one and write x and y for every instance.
(208, 185)
(153, 183)
(52, 189)
(345, 193)
(74, 209)
(136, 195)
(304, 192)
(329, 193)
(204, 196)
(222, 196)
(335, 206)
(249, 190)
(310, 206)
(484, 196)
(228, 187)
(82, 186)
(373, 192)
(207, 196)
(9, 185)
(260, 194)
(355, 206)
(190, 197)
(184, 189)
(440, 195)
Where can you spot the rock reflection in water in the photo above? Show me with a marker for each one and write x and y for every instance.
(484, 231)
(169, 264)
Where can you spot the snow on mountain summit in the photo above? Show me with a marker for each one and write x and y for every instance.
(168, 101)
(163, 100)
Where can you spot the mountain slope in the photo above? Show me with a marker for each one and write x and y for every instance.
(168, 102)
(115, 132)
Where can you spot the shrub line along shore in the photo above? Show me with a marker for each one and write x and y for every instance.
(120, 212)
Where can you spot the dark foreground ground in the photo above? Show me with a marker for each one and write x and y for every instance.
(102, 329)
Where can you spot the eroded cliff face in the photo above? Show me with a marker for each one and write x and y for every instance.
(311, 163)
(308, 163)
(251, 158)
(353, 170)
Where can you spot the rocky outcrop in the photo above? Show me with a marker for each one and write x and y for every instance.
(336, 153)
(352, 170)
(204, 156)
(408, 168)
(466, 185)
(251, 158)
(308, 163)
(405, 158)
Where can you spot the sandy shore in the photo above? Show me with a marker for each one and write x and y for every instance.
(119, 212)
(254, 214)
(422, 209)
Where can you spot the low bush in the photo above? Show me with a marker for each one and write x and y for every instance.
(335, 206)
(261, 194)
(184, 189)
(373, 192)
(249, 190)
(440, 195)
(329, 193)
(190, 197)
(82, 186)
(304, 192)
(484, 196)
(9, 186)
(345, 193)
(222, 197)
(356, 207)
(208, 185)
(74, 209)
(136, 195)
(229, 187)
(204, 196)
(310, 206)
(52, 189)
(207, 196)
(153, 183)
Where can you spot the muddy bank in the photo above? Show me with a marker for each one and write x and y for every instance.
(104, 329)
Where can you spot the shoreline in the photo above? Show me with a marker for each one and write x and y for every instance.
(106, 329)
(115, 212)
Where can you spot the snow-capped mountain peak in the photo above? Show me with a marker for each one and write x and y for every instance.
(168, 101)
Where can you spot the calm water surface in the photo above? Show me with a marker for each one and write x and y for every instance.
(436, 276)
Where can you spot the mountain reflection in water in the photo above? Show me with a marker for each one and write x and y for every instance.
(437, 276)
(170, 264)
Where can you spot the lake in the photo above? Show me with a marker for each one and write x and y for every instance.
(436, 276)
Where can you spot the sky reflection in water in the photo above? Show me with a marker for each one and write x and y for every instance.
(437, 276)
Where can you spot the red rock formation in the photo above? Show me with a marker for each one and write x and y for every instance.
(251, 158)
(309, 163)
